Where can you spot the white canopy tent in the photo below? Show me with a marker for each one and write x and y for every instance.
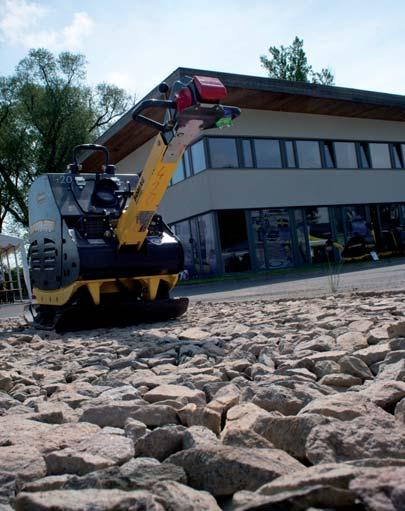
(10, 246)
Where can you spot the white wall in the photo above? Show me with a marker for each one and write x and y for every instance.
(262, 188)
(134, 162)
(263, 123)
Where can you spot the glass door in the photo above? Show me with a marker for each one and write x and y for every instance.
(320, 234)
(272, 238)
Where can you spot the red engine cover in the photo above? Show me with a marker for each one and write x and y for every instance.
(209, 89)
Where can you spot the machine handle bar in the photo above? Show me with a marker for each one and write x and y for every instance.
(152, 103)
(90, 147)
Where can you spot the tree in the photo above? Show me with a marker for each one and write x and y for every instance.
(45, 110)
(291, 63)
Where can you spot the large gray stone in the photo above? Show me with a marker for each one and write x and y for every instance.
(381, 489)
(340, 380)
(242, 418)
(393, 367)
(176, 392)
(25, 463)
(385, 393)
(362, 437)
(99, 451)
(345, 407)
(194, 415)
(289, 433)
(288, 400)
(312, 498)
(356, 367)
(178, 497)
(222, 470)
(117, 414)
(336, 475)
(87, 500)
(138, 473)
(15, 430)
(198, 436)
(161, 442)
(351, 341)
(18, 465)
(373, 354)
(400, 411)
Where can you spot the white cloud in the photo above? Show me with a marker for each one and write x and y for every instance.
(19, 26)
(18, 18)
(121, 79)
(74, 34)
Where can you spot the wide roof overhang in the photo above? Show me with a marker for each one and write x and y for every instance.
(263, 94)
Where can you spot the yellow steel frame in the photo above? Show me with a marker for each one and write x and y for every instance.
(133, 224)
(150, 285)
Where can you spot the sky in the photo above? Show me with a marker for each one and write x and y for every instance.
(135, 44)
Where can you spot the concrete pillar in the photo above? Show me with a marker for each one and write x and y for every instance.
(18, 274)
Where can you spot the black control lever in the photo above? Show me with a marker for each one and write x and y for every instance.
(152, 103)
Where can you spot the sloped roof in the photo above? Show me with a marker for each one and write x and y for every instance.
(264, 94)
(7, 242)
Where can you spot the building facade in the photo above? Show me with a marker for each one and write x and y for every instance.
(307, 174)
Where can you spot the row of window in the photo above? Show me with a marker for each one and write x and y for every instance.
(239, 240)
(225, 152)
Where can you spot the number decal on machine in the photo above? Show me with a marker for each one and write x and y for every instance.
(65, 179)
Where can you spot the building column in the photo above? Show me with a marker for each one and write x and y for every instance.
(18, 274)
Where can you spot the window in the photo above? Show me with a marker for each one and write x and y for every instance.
(380, 156)
(345, 153)
(268, 155)
(198, 157)
(187, 164)
(329, 155)
(179, 173)
(290, 154)
(364, 155)
(390, 216)
(398, 155)
(339, 225)
(207, 244)
(301, 230)
(234, 240)
(223, 153)
(247, 154)
(319, 234)
(272, 238)
(309, 156)
(356, 222)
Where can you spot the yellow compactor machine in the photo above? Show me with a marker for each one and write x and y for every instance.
(99, 253)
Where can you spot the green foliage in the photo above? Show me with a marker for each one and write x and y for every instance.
(46, 109)
(291, 63)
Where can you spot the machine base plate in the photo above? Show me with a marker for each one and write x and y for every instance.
(75, 317)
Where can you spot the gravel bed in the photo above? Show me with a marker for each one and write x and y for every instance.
(255, 405)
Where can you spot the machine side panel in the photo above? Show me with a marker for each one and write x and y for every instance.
(74, 200)
(45, 236)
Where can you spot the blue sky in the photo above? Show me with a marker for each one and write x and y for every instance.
(135, 44)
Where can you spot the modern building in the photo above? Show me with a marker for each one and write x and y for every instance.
(305, 168)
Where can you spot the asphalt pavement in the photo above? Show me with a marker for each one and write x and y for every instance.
(387, 277)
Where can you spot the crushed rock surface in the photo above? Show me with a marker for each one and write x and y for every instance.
(279, 405)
